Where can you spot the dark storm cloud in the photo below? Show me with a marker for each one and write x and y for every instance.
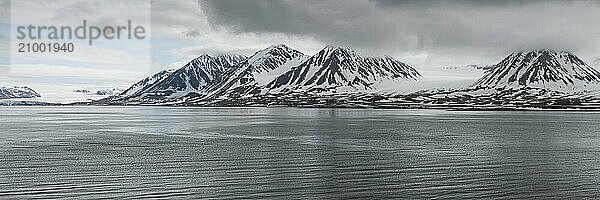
(471, 3)
(461, 26)
(333, 21)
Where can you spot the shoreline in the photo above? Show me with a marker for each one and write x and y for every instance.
(430, 107)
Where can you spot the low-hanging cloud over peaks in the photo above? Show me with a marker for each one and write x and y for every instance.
(435, 27)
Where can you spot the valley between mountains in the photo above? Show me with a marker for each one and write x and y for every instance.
(340, 77)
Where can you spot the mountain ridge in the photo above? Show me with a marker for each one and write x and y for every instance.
(212, 77)
(542, 68)
(256, 71)
(340, 77)
(341, 67)
(17, 92)
(198, 75)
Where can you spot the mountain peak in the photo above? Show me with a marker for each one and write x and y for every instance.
(17, 92)
(332, 48)
(204, 56)
(341, 53)
(276, 50)
(278, 46)
(272, 57)
(543, 52)
(209, 61)
(546, 68)
(341, 69)
(277, 68)
(196, 76)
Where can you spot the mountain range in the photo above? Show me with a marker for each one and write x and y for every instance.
(337, 76)
(341, 70)
(277, 69)
(17, 92)
(199, 76)
(557, 70)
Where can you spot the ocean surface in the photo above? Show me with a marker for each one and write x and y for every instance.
(291, 153)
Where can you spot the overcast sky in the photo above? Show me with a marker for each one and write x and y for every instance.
(424, 33)
(428, 35)
(420, 31)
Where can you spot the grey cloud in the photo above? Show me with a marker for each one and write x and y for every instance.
(101, 13)
(199, 50)
(185, 16)
(335, 21)
(470, 3)
(460, 26)
(191, 33)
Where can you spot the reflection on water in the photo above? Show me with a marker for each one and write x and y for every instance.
(153, 152)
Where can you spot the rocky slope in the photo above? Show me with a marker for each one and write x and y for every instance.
(17, 92)
(341, 70)
(258, 70)
(277, 69)
(145, 84)
(556, 70)
(198, 76)
(340, 77)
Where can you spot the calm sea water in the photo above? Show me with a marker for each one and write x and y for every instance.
(282, 153)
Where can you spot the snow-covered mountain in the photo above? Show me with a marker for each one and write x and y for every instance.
(17, 92)
(83, 91)
(258, 70)
(557, 70)
(341, 69)
(146, 83)
(339, 77)
(199, 75)
(101, 92)
(110, 91)
(215, 77)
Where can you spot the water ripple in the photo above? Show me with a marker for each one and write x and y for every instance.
(148, 152)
